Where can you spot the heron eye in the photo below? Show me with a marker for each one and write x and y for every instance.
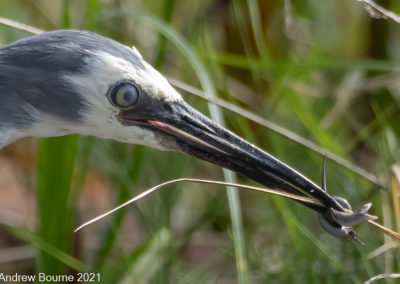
(125, 95)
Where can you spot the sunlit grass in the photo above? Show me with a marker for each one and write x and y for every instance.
(280, 241)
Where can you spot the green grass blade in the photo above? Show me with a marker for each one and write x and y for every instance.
(66, 16)
(55, 169)
(52, 250)
(272, 64)
(168, 9)
(92, 8)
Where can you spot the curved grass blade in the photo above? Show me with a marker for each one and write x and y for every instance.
(193, 180)
(149, 191)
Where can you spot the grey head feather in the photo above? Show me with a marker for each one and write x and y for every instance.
(32, 74)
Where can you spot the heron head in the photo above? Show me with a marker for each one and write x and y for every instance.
(120, 94)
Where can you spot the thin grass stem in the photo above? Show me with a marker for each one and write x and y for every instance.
(20, 26)
(193, 180)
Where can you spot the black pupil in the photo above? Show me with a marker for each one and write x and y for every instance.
(129, 96)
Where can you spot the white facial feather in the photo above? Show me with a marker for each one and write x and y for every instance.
(101, 118)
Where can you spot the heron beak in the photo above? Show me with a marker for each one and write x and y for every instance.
(199, 136)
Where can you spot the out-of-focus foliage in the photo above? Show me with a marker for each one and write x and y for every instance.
(322, 69)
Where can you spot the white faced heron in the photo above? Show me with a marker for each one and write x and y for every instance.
(66, 81)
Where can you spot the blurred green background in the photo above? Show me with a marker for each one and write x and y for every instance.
(325, 70)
